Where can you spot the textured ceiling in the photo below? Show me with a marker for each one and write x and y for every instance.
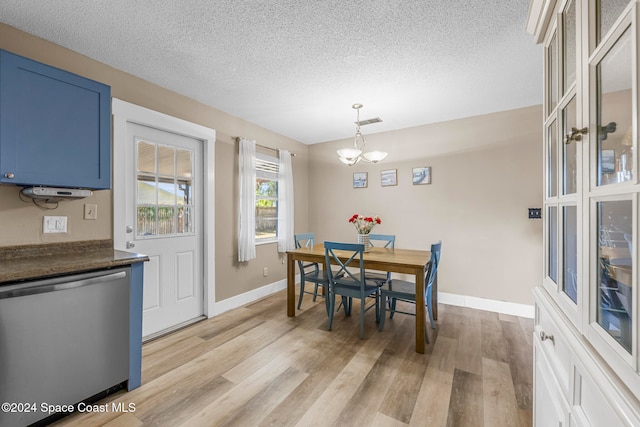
(297, 66)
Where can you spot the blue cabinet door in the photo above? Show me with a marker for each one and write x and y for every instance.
(55, 126)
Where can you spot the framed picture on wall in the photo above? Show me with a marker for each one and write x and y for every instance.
(422, 175)
(360, 180)
(389, 177)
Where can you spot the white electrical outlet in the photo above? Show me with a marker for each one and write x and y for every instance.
(54, 224)
(265, 272)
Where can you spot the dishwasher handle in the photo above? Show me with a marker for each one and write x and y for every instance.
(57, 284)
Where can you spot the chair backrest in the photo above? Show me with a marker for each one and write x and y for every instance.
(434, 262)
(354, 251)
(389, 240)
(305, 240)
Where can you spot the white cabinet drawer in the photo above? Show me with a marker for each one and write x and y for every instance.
(554, 346)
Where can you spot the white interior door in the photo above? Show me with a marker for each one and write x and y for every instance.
(163, 217)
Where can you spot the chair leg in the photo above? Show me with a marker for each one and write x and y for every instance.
(393, 308)
(362, 305)
(383, 314)
(315, 292)
(348, 303)
(326, 297)
(430, 309)
(332, 302)
(301, 292)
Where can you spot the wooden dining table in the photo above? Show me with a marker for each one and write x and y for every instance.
(395, 260)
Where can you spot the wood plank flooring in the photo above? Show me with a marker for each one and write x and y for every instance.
(254, 366)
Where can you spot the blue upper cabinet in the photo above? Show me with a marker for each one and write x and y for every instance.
(55, 126)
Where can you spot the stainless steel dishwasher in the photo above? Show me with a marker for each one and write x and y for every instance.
(62, 340)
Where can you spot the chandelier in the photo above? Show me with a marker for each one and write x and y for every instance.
(351, 156)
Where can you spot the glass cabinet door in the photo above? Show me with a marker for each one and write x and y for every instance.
(613, 180)
(615, 293)
(569, 149)
(552, 70)
(563, 156)
(570, 252)
(607, 11)
(614, 113)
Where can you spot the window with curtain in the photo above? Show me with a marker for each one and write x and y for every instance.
(266, 198)
(265, 203)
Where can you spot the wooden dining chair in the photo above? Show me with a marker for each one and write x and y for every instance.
(309, 271)
(345, 283)
(401, 290)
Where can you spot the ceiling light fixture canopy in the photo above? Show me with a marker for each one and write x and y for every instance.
(351, 156)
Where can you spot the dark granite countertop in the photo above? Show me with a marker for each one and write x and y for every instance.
(54, 259)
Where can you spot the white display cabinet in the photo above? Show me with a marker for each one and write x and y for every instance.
(586, 327)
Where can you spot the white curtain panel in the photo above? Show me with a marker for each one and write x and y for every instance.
(247, 202)
(286, 241)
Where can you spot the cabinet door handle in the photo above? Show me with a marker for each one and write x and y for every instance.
(544, 337)
(9, 175)
(576, 135)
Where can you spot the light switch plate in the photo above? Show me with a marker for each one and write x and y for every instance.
(90, 211)
(54, 224)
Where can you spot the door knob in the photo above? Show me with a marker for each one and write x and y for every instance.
(9, 175)
(130, 244)
(129, 229)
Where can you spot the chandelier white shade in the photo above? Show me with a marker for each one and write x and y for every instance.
(351, 156)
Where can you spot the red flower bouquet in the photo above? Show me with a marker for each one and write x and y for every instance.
(364, 224)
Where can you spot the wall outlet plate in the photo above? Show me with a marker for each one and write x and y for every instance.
(535, 213)
(54, 224)
(90, 211)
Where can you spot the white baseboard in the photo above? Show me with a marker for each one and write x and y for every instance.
(504, 307)
(248, 297)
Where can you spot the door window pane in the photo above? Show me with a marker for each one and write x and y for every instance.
(552, 270)
(185, 221)
(570, 252)
(615, 270)
(184, 163)
(164, 201)
(569, 20)
(608, 11)
(146, 159)
(146, 190)
(552, 155)
(185, 208)
(569, 149)
(614, 112)
(146, 220)
(166, 160)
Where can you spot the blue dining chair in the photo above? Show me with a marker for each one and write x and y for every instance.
(309, 271)
(402, 290)
(385, 241)
(345, 283)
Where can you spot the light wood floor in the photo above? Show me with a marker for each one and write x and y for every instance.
(254, 366)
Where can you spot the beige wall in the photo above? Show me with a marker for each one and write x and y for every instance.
(21, 222)
(486, 172)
